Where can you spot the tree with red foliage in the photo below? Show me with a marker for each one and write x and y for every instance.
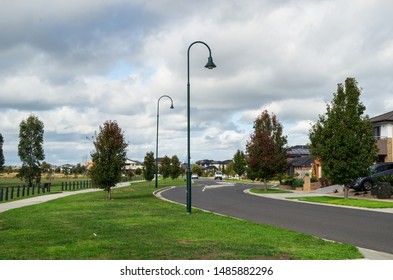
(266, 148)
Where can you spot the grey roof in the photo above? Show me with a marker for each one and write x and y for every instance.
(298, 151)
(301, 161)
(387, 117)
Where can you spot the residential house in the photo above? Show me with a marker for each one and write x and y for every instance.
(383, 132)
(213, 165)
(299, 161)
(66, 168)
(133, 164)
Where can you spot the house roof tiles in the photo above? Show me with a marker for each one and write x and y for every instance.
(387, 117)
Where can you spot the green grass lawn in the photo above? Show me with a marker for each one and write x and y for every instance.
(347, 202)
(137, 225)
(55, 186)
(269, 190)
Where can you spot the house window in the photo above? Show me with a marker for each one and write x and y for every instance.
(377, 132)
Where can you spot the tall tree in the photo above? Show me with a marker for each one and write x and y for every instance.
(149, 167)
(165, 168)
(109, 157)
(239, 163)
(266, 148)
(175, 167)
(342, 139)
(2, 160)
(196, 169)
(229, 170)
(30, 149)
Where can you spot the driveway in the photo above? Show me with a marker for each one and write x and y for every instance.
(362, 228)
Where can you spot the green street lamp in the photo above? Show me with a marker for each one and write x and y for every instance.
(210, 65)
(158, 116)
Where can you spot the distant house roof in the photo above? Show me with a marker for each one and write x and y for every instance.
(297, 151)
(387, 117)
(301, 161)
(208, 162)
(133, 161)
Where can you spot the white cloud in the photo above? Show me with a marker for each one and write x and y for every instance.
(77, 64)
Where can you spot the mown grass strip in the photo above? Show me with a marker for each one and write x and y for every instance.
(366, 203)
(137, 225)
(268, 191)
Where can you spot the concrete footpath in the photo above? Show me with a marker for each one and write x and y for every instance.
(43, 198)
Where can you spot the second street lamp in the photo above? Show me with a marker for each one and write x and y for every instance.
(158, 115)
(210, 65)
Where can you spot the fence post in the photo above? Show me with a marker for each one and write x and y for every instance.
(12, 192)
(32, 189)
(1, 193)
(18, 192)
(28, 190)
(73, 185)
(62, 186)
(38, 188)
(6, 193)
(23, 190)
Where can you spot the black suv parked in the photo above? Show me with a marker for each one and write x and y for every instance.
(377, 170)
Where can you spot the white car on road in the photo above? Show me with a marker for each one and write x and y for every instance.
(218, 175)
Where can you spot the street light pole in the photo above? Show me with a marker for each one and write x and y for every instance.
(210, 65)
(158, 115)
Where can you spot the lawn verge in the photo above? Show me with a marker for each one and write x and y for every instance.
(137, 225)
(355, 202)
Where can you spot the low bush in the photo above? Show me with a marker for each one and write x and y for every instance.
(387, 179)
(297, 183)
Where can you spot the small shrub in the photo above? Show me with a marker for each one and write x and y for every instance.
(388, 179)
(297, 183)
(324, 182)
(313, 178)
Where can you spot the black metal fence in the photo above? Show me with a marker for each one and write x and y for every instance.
(9, 193)
(12, 192)
(76, 185)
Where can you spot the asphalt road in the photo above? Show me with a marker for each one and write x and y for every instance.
(362, 228)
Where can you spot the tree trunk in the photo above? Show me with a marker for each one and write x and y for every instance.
(110, 194)
(265, 181)
(346, 191)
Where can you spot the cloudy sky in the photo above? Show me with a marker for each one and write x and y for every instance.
(76, 64)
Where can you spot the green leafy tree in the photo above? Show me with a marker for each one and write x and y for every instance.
(239, 163)
(175, 167)
(342, 139)
(266, 148)
(149, 167)
(8, 169)
(165, 168)
(46, 169)
(109, 157)
(196, 169)
(138, 171)
(229, 170)
(2, 160)
(30, 149)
